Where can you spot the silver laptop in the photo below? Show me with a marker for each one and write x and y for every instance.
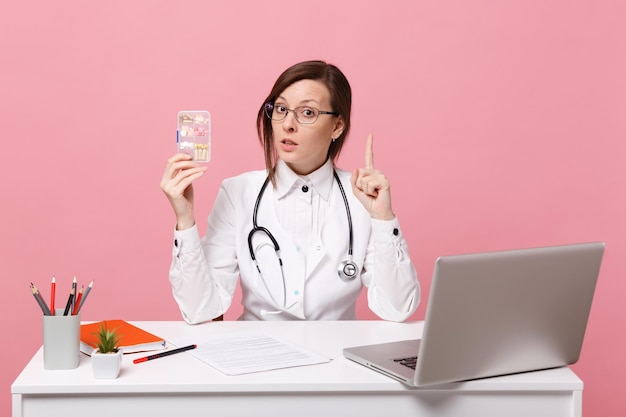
(496, 313)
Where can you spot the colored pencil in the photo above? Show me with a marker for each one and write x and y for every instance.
(40, 300)
(74, 293)
(69, 302)
(82, 301)
(77, 302)
(53, 288)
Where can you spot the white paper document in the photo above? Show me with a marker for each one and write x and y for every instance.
(248, 352)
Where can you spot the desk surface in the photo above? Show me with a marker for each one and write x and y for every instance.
(184, 374)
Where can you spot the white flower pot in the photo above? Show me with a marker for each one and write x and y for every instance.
(106, 365)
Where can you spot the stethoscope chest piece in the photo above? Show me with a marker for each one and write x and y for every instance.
(347, 271)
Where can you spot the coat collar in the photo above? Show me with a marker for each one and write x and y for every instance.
(321, 180)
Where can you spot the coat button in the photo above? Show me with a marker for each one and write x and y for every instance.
(396, 232)
(176, 242)
(305, 188)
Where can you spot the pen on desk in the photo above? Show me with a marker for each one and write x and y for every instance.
(53, 287)
(166, 353)
(69, 302)
(77, 302)
(82, 301)
(40, 300)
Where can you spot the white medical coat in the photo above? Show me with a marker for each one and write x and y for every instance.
(204, 271)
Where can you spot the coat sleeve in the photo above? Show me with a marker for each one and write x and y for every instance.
(204, 271)
(393, 289)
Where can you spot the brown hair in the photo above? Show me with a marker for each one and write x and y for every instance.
(340, 102)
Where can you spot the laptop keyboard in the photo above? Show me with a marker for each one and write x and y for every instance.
(409, 362)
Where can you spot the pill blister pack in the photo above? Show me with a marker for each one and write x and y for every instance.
(193, 135)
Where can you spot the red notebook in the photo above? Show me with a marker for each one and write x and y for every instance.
(132, 338)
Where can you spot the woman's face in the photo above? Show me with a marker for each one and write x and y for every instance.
(304, 147)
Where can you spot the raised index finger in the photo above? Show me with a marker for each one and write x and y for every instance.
(369, 152)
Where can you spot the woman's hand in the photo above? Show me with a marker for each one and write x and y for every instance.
(371, 186)
(180, 173)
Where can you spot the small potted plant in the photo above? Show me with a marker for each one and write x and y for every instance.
(106, 361)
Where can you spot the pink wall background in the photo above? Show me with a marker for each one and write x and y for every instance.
(500, 125)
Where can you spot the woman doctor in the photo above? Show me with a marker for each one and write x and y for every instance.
(302, 246)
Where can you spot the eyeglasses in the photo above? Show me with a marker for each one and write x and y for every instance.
(304, 114)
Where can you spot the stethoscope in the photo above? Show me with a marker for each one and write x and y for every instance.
(347, 270)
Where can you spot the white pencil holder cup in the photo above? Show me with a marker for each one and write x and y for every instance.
(61, 341)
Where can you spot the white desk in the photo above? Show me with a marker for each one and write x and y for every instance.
(181, 385)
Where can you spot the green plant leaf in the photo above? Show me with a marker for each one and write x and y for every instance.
(108, 339)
